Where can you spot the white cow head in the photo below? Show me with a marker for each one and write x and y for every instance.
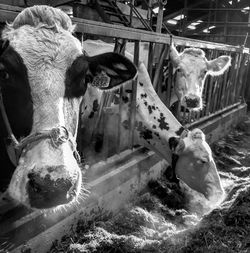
(192, 67)
(43, 77)
(195, 165)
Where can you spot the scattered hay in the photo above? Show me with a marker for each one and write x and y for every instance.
(162, 220)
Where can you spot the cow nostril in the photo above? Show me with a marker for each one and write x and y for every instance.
(192, 102)
(46, 192)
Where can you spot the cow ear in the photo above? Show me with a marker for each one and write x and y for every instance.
(110, 70)
(105, 71)
(219, 65)
(174, 56)
(3, 45)
(176, 145)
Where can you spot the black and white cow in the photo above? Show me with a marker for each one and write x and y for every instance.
(43, 77)
(157, 129)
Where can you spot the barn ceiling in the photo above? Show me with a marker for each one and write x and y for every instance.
(225, 21)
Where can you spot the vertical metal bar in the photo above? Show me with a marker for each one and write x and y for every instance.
(210, 86)
(131, 13)
(119, 129)
(244, 86)
(134, 95)
(150, 59)
(237, 77)
(223, 89)
(169, 81)
(225, 27)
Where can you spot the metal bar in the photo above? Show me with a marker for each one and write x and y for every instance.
(8, 13)
(210, 86)
(217, 9)
(223, 90)
(209, 117)
(170, 80)
(134, 95)
(150, 59)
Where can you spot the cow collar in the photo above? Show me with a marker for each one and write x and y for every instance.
(58, 136)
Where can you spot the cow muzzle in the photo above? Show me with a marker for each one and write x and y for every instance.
(192, 101)
(48, 172)
(49, 192)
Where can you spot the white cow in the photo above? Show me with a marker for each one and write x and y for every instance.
(190, 71)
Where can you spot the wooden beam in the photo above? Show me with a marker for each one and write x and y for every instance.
(174, 14)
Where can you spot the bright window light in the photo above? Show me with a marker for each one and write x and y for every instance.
(179, 17)
(191, 27)
(230, 2)
(156, 10)
(197, 22)
(206, 31)
(211, 27)
(246, 9)
(172, 21)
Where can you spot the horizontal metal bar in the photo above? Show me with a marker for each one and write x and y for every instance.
(212, 115)
(216, 9)
(217, 35)
(8, 13)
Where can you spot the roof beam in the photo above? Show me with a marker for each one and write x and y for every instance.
(174, 14)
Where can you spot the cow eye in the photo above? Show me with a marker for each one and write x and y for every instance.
(4, 75)
(200, 161)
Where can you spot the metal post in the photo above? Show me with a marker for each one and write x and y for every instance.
(134, 95)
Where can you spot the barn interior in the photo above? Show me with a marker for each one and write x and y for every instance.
(122, 169)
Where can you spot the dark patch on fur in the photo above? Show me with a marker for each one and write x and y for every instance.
(141, 83)
(125, 124)
(125, 99)
(173, 143)
(150, 109)
(154, 126)
(144, 95)
(145, 133)
(91, 115)
(146, 103)
(95, 105)
(95, 109)
(163, 124)
(180, 130)
(157, 134)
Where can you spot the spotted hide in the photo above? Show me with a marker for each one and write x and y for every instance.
(157, 129)
(43, 78)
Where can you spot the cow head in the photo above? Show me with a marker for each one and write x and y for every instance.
(191, 68)
(43, 77)
(195, 165)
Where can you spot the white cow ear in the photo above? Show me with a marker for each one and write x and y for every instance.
(110, 70)
(174, 56)
(219, 65)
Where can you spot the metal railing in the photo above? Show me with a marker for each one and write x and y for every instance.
(221, 93)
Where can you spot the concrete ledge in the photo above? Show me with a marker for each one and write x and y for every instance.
(126, 175)
(222, 124)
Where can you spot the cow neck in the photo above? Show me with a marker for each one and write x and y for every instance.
(155, 124)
